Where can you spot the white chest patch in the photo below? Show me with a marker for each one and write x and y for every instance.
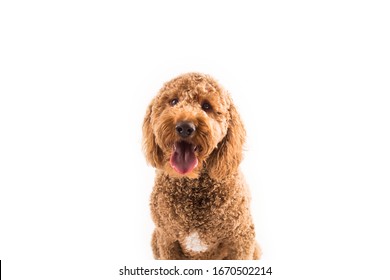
(194, 244)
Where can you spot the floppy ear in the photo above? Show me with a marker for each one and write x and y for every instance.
(153, 153)
(224, 160)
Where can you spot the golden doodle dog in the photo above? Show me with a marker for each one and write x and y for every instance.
(193, 136)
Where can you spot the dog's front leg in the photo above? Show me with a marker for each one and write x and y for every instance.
(166, 248)
(242, 247)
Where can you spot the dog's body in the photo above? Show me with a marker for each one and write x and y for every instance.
(200, 203)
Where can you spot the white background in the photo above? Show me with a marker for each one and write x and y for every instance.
(310, 79)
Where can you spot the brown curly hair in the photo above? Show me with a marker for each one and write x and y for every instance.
(194, 136)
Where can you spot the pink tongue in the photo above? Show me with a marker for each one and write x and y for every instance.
(183, 158)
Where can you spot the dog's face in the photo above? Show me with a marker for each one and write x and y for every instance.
(192, 124)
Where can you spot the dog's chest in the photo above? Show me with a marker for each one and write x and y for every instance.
(196, 205)
(193, 243)
(190, 208)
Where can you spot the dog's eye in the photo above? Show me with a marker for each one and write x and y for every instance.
(206, 106)
(174, 101)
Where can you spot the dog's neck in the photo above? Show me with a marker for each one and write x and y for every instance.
(202, 181)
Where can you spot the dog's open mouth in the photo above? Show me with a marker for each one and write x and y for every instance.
(183, 158)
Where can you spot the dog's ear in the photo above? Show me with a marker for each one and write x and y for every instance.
(224, 160)
(153, 153)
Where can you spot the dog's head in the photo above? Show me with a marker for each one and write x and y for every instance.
(192, 125)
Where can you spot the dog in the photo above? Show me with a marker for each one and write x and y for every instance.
(200, 203)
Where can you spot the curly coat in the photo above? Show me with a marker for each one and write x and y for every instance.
(202, 212)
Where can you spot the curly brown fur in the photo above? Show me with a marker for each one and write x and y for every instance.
(200, 211)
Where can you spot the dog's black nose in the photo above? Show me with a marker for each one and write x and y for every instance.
(185, 129)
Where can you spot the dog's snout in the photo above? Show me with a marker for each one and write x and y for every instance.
(185, 129)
